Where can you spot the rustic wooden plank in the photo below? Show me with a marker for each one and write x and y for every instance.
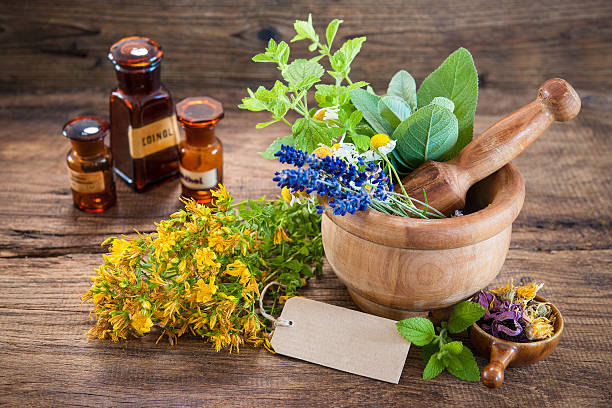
(569, 188)
(63, 44)
(47, 358)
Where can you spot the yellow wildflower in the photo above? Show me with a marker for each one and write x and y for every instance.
(205, 292)
(205, 259)
(99, 297)
(283, 299)
(141, 322)
(379, 140)
(527, 292)
(539, 329)
(322, 152)
(280, 235)
(286, 194)
(252, 287)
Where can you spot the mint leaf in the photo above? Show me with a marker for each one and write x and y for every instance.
(417, 330)
(332, 29)
(394, 109)
(433, 368)
(427, 134)
(276, 145)
(462, 365)
(361, 142)
(308, 133)
(264, 124)
(302, 74)
(402, 85)
(429, 350)
(454, 347)
(464, 315)
(457, 80)
(305, 30)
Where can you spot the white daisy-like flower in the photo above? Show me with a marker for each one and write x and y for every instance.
(379, 143)
(326, 114)
(346, 151)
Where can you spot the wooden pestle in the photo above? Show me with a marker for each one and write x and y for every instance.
(446, 183)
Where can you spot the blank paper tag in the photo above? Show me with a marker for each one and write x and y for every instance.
(343, 339)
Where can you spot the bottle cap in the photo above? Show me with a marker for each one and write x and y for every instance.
(199, 111)
(135, 53)
(86, 129)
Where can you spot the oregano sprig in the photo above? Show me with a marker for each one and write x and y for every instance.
(439, 351)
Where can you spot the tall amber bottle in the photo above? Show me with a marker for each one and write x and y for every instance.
(201, 152)
(90, 164)
(144, 131)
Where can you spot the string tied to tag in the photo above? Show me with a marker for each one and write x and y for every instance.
(275, 321)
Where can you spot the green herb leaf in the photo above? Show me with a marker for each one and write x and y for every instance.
(454, 347)
(417, 330)
(428, 134)
(394, 109)
(462, 365)
(276, 145)
(302, 74)
(457, 80)
(443, 102)
(433, 368)
(429, 350)
(368, 104)
(361, 142)
(464, 315)
(332, 29)
(264, 124)
(305, 30)
(402, 85)
(309, 132)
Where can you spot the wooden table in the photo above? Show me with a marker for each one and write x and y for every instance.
(48, 250)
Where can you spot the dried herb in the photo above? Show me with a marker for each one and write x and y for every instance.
(439, 351)
(202, 272)
(514, 314)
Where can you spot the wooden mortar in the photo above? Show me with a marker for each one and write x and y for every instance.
(504, 353)
(393, 266)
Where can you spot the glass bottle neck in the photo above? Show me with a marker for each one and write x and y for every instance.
(139, 82)
(88, 149)
(200, 136)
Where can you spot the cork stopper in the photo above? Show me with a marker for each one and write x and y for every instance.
(198, 112)
(135, 53)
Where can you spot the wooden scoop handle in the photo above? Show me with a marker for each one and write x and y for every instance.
(507, 138)
(501, 355)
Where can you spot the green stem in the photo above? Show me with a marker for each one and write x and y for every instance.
(395, 174)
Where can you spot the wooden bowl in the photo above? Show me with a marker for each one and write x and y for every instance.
(394, 266)
(505, 353)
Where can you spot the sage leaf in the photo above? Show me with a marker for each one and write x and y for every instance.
(427, 134)
(433, 368)
(417, 330)
(394, 109)
(464, 315)
(368, 104)
(443, 102)
(462, 365)
(402, 85)
(457, 80)
(276, 145)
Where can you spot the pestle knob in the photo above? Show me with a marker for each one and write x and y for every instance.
(446, 183)
(502, 354)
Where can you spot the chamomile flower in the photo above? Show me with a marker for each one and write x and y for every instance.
(379, 144)
(297, 197)
(327, 114)
(346, 151)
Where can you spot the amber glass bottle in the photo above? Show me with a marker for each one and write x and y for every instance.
(201, 152)
(90, 164)
(144, 134)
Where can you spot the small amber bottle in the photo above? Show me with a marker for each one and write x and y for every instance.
(90, 164)
(144, 135)
(201, 152)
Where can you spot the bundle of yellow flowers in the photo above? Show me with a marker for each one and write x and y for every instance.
(202, 272)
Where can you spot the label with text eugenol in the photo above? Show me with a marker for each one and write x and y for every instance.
(154, 137)
(204, 180)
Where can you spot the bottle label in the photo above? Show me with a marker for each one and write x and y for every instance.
(88, 183)
(204, 180)
(154, 137)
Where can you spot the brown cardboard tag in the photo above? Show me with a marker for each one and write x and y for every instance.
(340, 338)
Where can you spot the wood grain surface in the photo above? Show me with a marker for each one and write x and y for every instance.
(62, 44)
(54, 67)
